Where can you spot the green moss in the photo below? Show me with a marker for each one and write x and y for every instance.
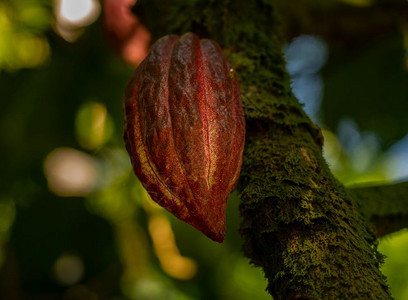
(299, 228)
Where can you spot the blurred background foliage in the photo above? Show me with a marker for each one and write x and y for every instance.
(75, 223)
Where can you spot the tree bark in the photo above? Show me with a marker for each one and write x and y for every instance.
(299, 223)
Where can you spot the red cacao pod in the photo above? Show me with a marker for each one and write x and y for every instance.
(185, 129)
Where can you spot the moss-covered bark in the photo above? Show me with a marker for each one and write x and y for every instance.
(299, 223)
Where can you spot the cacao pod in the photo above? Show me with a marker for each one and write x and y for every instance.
(185, 129)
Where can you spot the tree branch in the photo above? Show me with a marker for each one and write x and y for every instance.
(340, 22)
(299, 224)
(385, 206)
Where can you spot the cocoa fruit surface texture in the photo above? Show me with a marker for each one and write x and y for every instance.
(185, 129)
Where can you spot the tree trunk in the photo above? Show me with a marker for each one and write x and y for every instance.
(299, 223)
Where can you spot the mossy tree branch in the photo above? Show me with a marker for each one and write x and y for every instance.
(299, 223)
(386, 206)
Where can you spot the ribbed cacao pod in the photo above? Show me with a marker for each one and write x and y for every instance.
(185, 129)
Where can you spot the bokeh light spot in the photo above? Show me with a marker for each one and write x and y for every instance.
(73, 15)
(93, 125)
(31, 50)
(332, 150)
(70, 172)
(166, 249)
(397, 160)
(125, 33)
(305, 56)
(77, 12)
(68, 269)
(21, 42)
